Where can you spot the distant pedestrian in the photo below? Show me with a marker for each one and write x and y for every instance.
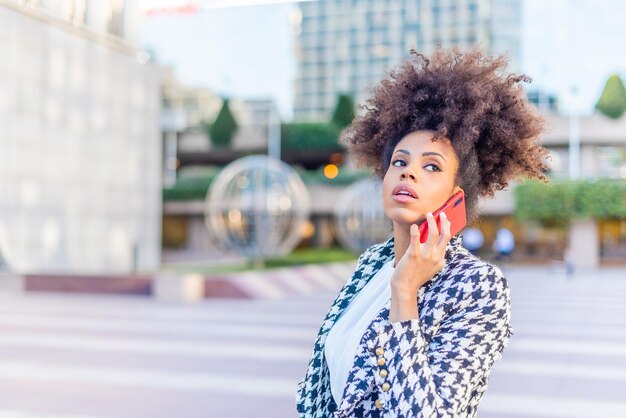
(473, 239)
(569, 262)
(504, 244)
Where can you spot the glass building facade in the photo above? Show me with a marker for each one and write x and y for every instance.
(346, 46)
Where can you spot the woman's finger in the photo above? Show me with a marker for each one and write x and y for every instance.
(445, 231)
(415, 244)
(433, 231)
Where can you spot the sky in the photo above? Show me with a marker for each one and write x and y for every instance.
(242, 52)
(574, 45)
(570, 47)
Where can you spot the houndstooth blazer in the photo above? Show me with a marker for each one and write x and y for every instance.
(434, 366)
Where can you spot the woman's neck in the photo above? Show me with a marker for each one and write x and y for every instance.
(401, 241)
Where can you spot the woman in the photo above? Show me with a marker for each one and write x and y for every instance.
(415, 331)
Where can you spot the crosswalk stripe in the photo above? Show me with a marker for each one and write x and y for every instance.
(266, 351)
(550, 329)
(206, 317)
(210, 313)
(531, 406)
(341, 272)
(580, 318)
(550, 407)
(266, 331)
(8, 413)
(138, 378)
(320, 276)
(565, 346)
(168, 327)
(254, 284)
(294, 282)
(274, 352)
(561, 370)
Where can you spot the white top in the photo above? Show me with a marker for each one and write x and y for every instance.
(344, 337)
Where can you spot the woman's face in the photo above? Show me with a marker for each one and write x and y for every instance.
(427, 168)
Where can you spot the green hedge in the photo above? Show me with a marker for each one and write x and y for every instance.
(195, 186)
(345, 177)
(295, 258)
(310, 136)
(560, 201)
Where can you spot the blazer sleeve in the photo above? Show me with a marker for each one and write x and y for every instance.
(437, 379)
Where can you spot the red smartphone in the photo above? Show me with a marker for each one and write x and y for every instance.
(454, 209)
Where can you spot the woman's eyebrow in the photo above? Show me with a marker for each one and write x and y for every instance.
(424, 154)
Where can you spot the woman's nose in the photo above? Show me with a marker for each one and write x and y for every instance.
(405, 175)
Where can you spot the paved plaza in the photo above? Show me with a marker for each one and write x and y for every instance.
(77, 356)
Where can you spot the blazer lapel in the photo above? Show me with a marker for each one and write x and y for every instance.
(360, 378)
(314, 392)
(359, 279)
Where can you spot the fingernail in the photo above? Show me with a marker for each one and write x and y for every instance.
(443, 215)
(429, 214)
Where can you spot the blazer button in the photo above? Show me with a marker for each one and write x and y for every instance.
(386, 387)
(379, 404)
(381, 361)
(383, 373)
(380, 351)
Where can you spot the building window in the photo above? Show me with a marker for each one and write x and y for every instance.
(611, 162)
(116, 21)
(76, 12)
(558, 164)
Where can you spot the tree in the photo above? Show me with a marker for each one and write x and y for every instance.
(223, 128)
(612, 102)
(344, 111)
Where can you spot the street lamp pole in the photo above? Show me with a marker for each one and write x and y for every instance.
(273, 133)
(574, 139)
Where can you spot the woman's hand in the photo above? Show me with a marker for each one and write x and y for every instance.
(420, 262)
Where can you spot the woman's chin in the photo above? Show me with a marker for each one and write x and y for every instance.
(404, 216)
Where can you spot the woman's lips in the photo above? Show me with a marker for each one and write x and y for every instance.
(403, 198)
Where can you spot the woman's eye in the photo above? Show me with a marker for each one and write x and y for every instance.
(402, 163)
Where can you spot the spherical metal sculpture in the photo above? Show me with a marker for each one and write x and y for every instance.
(360, 219)
(257, 206)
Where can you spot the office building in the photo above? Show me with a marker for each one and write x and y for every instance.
(80, 167)
(346, 46)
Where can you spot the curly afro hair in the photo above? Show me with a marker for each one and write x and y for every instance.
(465, 97)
